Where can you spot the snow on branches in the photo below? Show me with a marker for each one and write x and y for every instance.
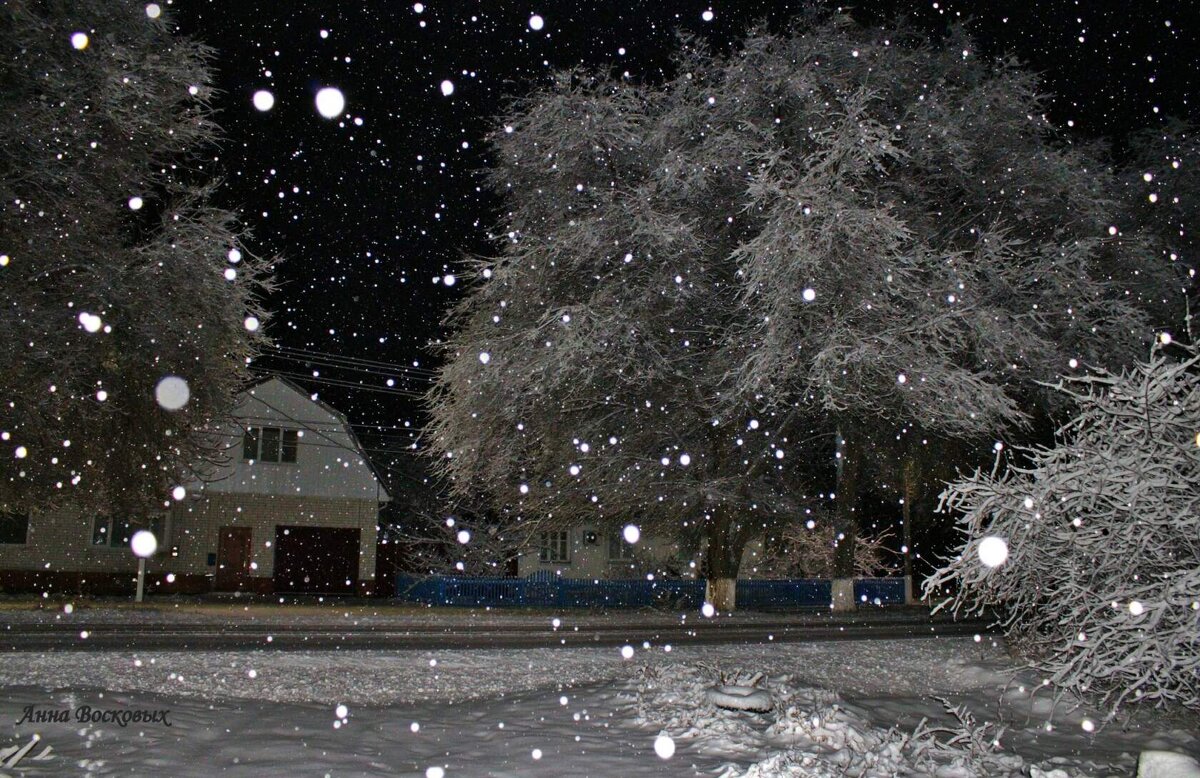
(806, 550)
(835, 230)
(1101, 585)
(119, 271)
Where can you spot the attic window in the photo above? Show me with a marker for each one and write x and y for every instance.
(269, 444)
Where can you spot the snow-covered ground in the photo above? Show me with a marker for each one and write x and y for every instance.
(844, 708)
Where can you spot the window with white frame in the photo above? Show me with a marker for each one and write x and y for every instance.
(270, 444)
(116, 533)
(619, 549)
(554, 547)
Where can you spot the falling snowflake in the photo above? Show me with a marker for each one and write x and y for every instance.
(993, 551)
(172, 392)
(330, 102)
(264, 100)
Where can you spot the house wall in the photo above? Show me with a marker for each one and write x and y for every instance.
(62, 540)
(329, 485)
(196, 525)
(58, 554)
(593, 561)
(328, 462)
(751, 556)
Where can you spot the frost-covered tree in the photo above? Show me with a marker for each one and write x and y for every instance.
(587, 373)
(926, 249)
(116, 270)
(1161, 188)
(1093, 548)
(836, 231)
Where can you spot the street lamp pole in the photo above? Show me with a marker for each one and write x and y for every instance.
(141, 584)
(144, 544)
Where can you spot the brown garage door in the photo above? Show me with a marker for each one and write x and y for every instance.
(316, 559)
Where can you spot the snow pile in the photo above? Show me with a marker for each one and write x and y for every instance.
(1167, 764)
(815, 733)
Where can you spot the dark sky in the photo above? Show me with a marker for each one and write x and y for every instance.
(369, 209)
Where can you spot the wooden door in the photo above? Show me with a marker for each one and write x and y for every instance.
(233, 558)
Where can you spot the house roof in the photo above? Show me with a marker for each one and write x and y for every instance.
(347, 428)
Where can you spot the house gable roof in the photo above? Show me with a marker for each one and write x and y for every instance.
(331, 461)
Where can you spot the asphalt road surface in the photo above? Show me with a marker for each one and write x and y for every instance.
(230, 637)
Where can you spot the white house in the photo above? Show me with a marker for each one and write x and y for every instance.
(590, 552)
(295, 509)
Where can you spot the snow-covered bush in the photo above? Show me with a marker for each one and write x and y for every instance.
(1093, 550)
(801, 551)
(456, 545)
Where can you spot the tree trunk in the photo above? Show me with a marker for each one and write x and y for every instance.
(845, 520)
(721, 562)
(911, 471)
(721, 593)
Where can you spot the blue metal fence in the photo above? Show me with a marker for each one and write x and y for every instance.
(792, 593)
(550, 592)
(553, 592)
(879, 591)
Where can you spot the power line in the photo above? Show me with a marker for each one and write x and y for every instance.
(353, 360)
(361, 425)
(403, 373)
(338, 383)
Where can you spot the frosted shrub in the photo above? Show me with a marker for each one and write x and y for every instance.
(802, 552)
(1101, 585)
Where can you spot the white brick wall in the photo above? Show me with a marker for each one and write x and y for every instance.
(592, 560)
(196, 523)
(61, 541)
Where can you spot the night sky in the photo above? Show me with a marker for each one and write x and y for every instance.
(369, 209)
